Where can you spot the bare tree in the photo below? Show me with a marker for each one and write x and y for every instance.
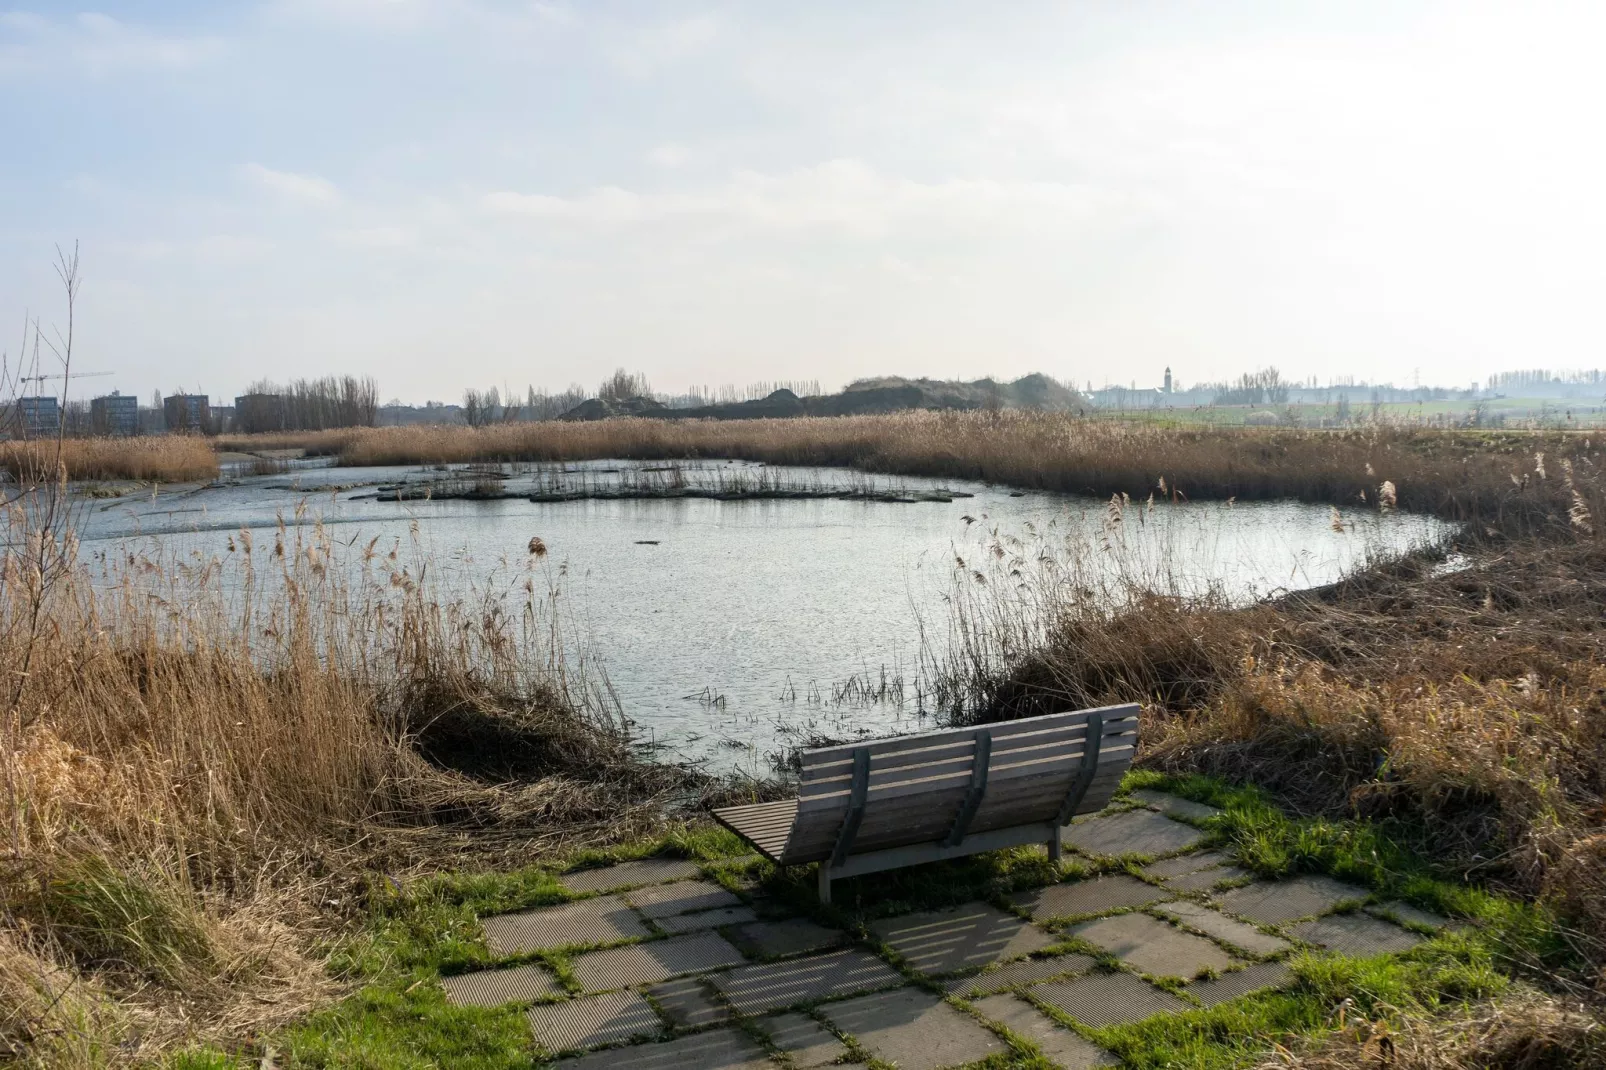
(40, 545)
(622, 384)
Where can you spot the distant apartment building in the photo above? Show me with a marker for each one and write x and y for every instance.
(114, 414)
(188, 412)
(260, 412)
(38, 415)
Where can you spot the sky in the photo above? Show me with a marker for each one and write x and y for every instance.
(453, 193)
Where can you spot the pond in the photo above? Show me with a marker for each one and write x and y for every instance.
(730, 626)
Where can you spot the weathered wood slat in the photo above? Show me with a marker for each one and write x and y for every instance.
(1001, 731)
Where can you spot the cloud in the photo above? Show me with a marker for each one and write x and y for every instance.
(668, 155)
(307, 189)
(383, 237)
(640, 52)
(843, 195)
(94, 44)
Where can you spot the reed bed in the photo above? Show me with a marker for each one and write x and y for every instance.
(153, 459)
(1462, 703)
(1458, 475)
(197, 753)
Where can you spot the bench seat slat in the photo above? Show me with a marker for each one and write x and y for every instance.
(765, 825)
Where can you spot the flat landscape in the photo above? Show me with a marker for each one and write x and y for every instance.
(274, 773)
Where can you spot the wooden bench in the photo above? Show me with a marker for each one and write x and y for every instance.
(897, 802)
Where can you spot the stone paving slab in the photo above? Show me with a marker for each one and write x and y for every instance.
(1232, 931)
(1241, 982)
(1134, 832)
(1206, 879)
(1272, 903)
(1405, 913)
(722, 1049)
(1174, 804)
(1153, 946)
(1063, 1047)
(656, 960)
(1095, 896)
(592, 1020)
(706, 919)
(773, 985)
(913, 1029)
(629, 874)
(1025, 972)
(778, 939)
(1356, 934)
(1188, 863)
(975, 934)
(689, 1003)
(1109, 999)
(492, 988)
(682, 897)
(808, 1043)
(604, 920)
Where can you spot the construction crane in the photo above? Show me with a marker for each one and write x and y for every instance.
(62, 375)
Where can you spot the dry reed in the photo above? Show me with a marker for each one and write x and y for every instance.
(194, 746)
(154, 459)
(1486, 476)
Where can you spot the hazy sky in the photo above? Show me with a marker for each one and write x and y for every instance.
(452, 192)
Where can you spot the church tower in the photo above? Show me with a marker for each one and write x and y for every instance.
(1168, 380)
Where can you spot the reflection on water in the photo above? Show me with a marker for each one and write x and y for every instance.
(728, 627)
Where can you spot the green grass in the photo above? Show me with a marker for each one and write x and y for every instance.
(397, 1016)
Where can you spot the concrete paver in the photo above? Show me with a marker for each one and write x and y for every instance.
(975, 934)
(492, 988)
(1074, 898)
(808, 1043)
(1272, 903)
(656, 960)
(1153, 946)
(1356, 934)
(663, 900)
(773, 985)
(1241, 982)
(1108, 998)
(1025, 972)
(629, 874)
(1405, 913)
(1206, 879)
(778, 939)
(603, 920)
(913, 1029)
(592, 1020)
(1135, 832)
(1232, 931)
(1188, 863)
(689, 1003)
(722, 1049)
(1063, 1047)
(1174, 804)
(706, 919)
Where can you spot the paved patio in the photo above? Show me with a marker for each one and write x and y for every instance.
(685, 973)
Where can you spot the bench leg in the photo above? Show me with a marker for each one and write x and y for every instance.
(825, 882)
(1055, 849)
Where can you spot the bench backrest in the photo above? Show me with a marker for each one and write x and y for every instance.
(937, 786)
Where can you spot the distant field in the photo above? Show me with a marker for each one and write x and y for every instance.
(1515, 413)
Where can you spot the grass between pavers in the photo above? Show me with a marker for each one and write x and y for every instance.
(398, 1016)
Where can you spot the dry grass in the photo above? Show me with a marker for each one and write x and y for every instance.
(155, 459)
(1526, 1031)
(201, 752)
(1466, 708)
(1459, 475)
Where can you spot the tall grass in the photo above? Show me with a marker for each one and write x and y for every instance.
(195, 742)
(1465, 706)
(160, 459)
(1486, 476)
